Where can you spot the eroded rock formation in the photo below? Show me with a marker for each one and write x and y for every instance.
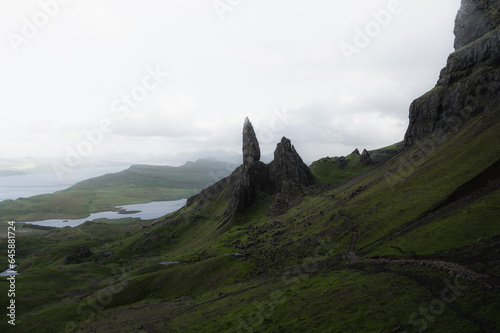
(470, 82)
(475, 19)
(251, 149)
(288, 166)
(286, 176)
(365, 158)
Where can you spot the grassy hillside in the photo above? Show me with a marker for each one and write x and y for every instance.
(335, 170)
(328, 171)
(138, 184)
(408, 245)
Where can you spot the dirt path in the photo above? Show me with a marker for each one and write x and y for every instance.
(454, 269)
(84, 233)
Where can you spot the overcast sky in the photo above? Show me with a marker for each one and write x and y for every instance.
(299, 69)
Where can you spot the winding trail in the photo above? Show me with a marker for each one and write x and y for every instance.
(452, 268)
(84, 233)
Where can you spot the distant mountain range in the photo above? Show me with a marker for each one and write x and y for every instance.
(35, 165)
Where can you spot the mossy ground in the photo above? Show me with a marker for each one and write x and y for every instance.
(198, 270)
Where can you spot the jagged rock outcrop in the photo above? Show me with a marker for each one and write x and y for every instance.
(470, 82)
(342, 161)
(289, 196)
(365, 158)
(288, 166)
(286, 176)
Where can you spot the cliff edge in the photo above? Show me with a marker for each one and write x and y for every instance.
(470, 83)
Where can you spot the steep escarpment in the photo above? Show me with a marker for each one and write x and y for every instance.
(287, 171)
(475, 19)
(470, 83)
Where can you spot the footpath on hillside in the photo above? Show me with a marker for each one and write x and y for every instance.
(451, 268)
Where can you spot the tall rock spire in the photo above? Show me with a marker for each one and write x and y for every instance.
(251, 149)
(285, 177)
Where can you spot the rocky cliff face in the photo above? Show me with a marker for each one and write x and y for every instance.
(285, 177)
(475, 19)
(470, 82)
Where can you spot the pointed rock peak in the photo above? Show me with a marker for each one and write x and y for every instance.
(286, 143)
(356, 151)
(288, 166)
(251, 149)
(365, 158)
(285, 148)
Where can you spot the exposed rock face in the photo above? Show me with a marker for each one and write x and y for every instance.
(473, 21)
(286, 176)
(247, 181)
(251, 149)
(470, 82)
(288, 166)
(289, 196)
(342, 161)
(251, 176)
(365, 158)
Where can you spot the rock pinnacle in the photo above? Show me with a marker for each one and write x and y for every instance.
(251, 149)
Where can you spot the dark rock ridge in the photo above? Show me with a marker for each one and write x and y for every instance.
(470, 83)
(286, 176)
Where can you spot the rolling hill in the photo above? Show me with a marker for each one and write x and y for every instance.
(138, 184)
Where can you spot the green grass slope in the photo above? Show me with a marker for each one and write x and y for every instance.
(331, 171)
(328, 171)
(411, 245)
(138, 184)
